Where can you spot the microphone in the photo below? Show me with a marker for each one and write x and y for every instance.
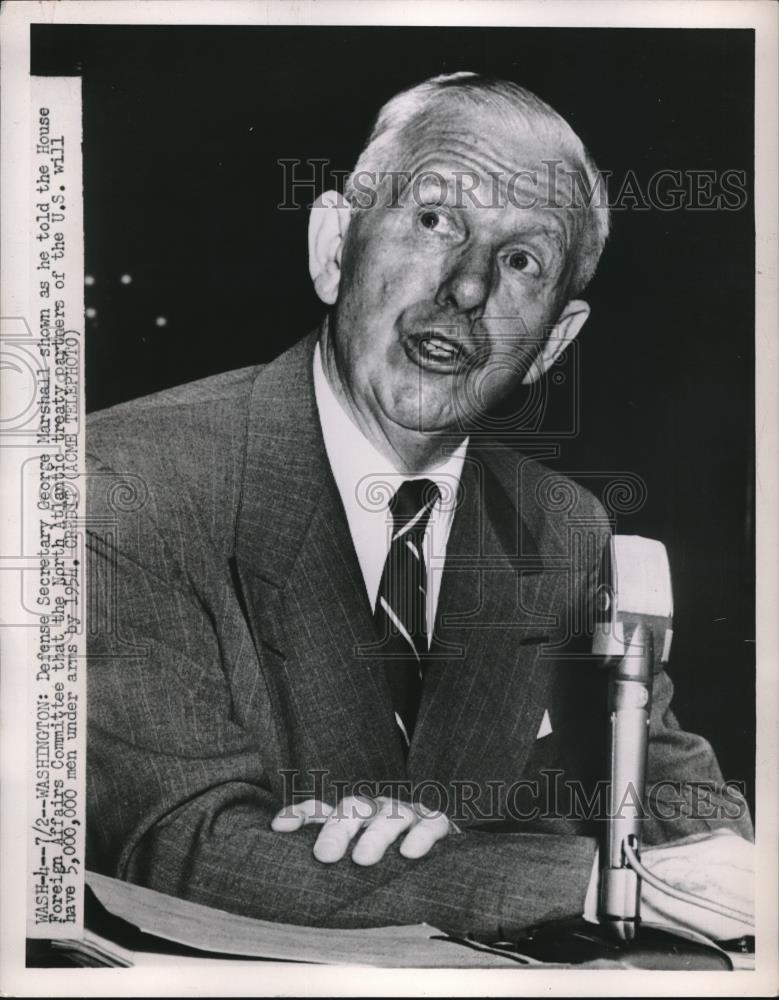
(633, 632)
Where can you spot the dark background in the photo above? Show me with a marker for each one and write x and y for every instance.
(183, 128)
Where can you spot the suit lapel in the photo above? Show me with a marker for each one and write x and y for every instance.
(303, 588)
(485, 685)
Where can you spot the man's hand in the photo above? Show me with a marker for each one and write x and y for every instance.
(381, 821)
(718, 866)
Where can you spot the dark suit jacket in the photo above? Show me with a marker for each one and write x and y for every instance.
(230, 653)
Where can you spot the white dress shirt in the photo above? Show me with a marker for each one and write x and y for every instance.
(367, 480)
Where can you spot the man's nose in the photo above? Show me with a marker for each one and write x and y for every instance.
(467, 281)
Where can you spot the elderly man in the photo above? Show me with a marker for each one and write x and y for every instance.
(328, 603)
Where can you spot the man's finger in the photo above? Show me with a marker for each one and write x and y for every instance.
(299, 814)
(426, 832)
(392, 819)
(339, 829)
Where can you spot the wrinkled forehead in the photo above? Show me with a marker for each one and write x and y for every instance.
(549, 188)
(499, 146)
(480, 158)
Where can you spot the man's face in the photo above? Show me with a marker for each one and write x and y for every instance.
(444, 299)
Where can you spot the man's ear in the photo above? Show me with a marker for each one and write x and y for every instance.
(571, 320)
(326, 230)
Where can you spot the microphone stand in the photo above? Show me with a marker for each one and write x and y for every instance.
(630, 696)
(620, 937)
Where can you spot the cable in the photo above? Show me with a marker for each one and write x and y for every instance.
(685, 897)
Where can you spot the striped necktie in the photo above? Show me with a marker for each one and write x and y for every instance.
(401, 606)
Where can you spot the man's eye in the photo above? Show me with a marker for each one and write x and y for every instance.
(518, 260)
(432, 220)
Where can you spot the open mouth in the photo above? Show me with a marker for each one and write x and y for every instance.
(434, 352)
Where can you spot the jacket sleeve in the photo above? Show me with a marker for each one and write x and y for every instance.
(179, 799)
(685, 791)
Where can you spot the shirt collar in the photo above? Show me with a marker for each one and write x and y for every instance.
(367, 479)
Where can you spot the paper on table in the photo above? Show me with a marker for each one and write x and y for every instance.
(180, 932)
(210, 930)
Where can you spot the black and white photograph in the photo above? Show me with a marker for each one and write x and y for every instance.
(388, 434)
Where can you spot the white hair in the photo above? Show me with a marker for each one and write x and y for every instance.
(408, 109)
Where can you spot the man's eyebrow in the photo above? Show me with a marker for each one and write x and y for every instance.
(433, 181)
(539, 233)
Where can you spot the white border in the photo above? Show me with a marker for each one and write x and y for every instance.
(270, 978)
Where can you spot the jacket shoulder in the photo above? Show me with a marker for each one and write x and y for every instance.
(183, 448)
(211, 403)
(226, 387)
